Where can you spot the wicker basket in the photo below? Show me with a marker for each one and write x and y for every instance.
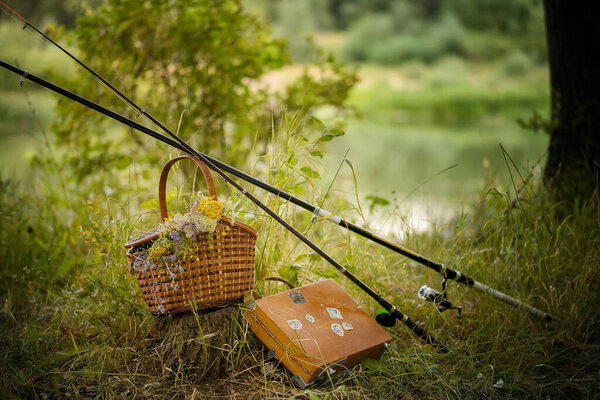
(221, 274)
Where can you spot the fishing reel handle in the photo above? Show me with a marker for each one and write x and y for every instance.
(439, 299)
(429, 294)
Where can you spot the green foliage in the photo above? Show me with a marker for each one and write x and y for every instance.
(509, 17)
(195, 65)
(393, 32)
(453, 92)
(517, 63)
(345, 13)
(369, 30)
(379, 39)
(73, 335)
(375, 201)
(325, 84)
(537, 123)
(296, 21)
(61, 11)
(66, 299)
(34, 245)
(72, 322)
(178, 58)
(515, 17)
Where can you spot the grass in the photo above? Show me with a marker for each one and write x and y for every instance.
(71, 327)
(72, 322)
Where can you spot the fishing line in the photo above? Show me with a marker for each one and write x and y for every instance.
(446, 272)
(42, 37)
(535, 235)
(208, 161)
(406, 197)
(315, 217)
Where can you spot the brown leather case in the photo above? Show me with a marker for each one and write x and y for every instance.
(316, 330)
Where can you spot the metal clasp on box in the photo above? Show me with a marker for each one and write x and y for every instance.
(330, 369)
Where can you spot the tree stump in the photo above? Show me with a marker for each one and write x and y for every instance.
(197, 343)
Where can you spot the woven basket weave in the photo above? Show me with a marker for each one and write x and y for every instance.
(219, 274)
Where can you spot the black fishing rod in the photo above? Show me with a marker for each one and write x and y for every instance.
(446, 272)
(387, 305)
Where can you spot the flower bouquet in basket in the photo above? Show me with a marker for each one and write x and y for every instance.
(199, 259)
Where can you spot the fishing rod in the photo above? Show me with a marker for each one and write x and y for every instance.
(446, 272)
(387, 305)
(439, 299)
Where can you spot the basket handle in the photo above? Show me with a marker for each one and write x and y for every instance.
(162, 183)
(278, 279)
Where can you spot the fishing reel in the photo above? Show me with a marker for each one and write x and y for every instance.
(439, 299)
(384, 318)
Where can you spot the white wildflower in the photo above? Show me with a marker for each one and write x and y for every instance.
(188, 230)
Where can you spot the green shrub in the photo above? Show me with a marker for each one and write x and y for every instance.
(486, 46)
(507, 17)
(374, 38)
(195, 66)
(393, 50)
(367, 32)
(450, 35)
(426, 49)
(295, 20)
(517, 64)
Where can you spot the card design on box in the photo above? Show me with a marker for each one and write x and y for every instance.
(295, 324)
(310, 318)
(334, 313)
(297, 297)
(337, 329)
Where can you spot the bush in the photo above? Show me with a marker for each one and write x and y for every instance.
(506, 17)
(366, 33)
(295, 20)
(392, 51)
(449, 34)
(194, 65)
(375, 39)
(486, 46)
(517, 64)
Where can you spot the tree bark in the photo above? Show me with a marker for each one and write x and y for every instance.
(198, 343)
(573, 38)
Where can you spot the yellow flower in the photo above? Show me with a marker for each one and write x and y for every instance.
(211, 208)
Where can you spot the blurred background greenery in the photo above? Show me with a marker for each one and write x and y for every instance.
(442, 84)
(426, 92)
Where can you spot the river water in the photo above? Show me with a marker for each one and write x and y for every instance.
(431, 173)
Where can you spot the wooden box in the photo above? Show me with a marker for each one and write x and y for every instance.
(316, 330)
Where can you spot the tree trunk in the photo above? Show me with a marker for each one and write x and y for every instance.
(198, 343)
(573, 37)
